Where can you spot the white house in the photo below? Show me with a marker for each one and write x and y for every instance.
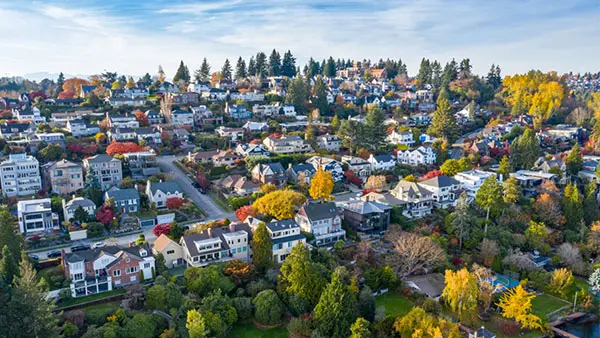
(36, 216)
(444, 190)
(20, 175)
(199, 87)
(382, 162)
(329, 142)
(417, 201)
(284, 235)
(159, 193)
(405, 138)
(423, 155)
(232, 134)
(472, 180)
(323, 221)
(72, 205)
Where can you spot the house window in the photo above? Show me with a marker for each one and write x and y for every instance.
(146, 265)
(78, 276)
(117, 273)
(131, 270)
(170, 252)
(244, 249)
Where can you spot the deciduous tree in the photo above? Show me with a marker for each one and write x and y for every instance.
(321, 185)
(461, 291)
(243, 212)
(561, 280)
(174, 203)
(280, 204)
(414, 253)
(489, 198)
(516, 304)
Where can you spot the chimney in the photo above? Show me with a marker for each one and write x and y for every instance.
(209, 232)
(232, 227)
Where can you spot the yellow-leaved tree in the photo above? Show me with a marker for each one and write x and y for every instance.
(516, 304)
(461, 291)
(280, 204)
(321, 185)
(561, 280)
(375, 182)
(418, 323)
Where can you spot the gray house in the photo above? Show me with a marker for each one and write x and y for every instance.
(367, 215)
(126, 200)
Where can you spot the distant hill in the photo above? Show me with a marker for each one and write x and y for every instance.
(39, 76)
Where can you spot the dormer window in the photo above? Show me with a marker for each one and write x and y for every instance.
(143, 253)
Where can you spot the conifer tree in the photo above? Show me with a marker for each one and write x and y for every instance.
(319, 96)
(524, 150)
(443, 124)
(182, 73)
(226, 71)
(262, 249)
(375, 131)
(297, 93)
(240, 69)
(203, 74)
(274, 64)
(288, 65)
(574, 161)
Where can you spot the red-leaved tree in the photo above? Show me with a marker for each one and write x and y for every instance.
(161, 229)
(432, 174)
(352, 178)
(66, 95)
(243, 212)
(123, 148)
(142, 118)
(174, 202)
(105, 214)
(202, 180)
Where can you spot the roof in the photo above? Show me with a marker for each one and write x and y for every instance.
(482, 332)
(162, 242)
(101, 158)
(365, 207)
(412, 188)
(93, 254)
(123, 194)
(216, 233)
(146, 130)
(383, 158)
(319, 211)
(62, 164)
(79, 201)
(303, 167)
(165, 187)
(440, 181)
(431, 285)
(285, 239)
(282, 225)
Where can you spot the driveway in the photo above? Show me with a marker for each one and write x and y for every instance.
(204, 202)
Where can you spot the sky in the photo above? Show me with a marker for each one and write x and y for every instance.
(134, 37)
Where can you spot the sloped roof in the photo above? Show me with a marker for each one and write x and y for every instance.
(365, 207)
(123, 194)
(320, 211)
(166, 187)
(440, 181)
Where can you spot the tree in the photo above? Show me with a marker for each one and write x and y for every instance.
(288, 65)
(262, 248)
(240, 69)
(561, 280)
(155, 297)
(366, 303)
(512, 191)
(591, 212)
(360, 329)
(489, 250)
(574, 161)
(141, 117)
(80, 215)
(261, 65)
(536, 234)
(319, 96)
(504, 168)
(424, 76)
(461, 291)
(243, 212)
(443, 123)
(160, 263)
(300, 276)
(548, 210)
(9, 268)
(105, 214)
(375, 131)
(376, 182)
(321, 185)
(280, 204)
(573, 211)
(418, 323)
(52, 152)
(274, 63)
(594, 281)
(414, 253)
(450, 167)
(122, 148)
(336, 310)
(8, 236)
(182, 74)
(516, 304)
(268, 308)
(203, 74)
(335, 123)
(489, 198)
(524, 150)
(196, 324)
(461, 223)
(161, 229)
(130, 83)
(351, 133)
(174, 203)
(296, 95)
(226, 70)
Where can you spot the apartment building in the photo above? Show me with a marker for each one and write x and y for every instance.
(108, 170)
(20, 175)
(64, 177)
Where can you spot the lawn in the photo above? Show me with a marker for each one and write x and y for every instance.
(248, 330)
(544, 304)
(395, 305)
(104, 306)
(53, 276)
(80, 300)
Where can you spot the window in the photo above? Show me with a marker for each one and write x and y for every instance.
(117, 273)
(131, 270)
(244, 249)
(170, 252)
(146, 265)
(78, 276)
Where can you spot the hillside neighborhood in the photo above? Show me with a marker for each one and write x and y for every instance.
(264, 198)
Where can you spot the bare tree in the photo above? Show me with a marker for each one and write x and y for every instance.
(414, 253)
(579, 115)
(570, 256)
(166, 108)
(486, 288)
(489, 250)
(519, 260)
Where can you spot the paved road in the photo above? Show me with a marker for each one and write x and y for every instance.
(204, 202)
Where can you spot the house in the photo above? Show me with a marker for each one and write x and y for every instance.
(255, 127)
(36, 216)
(204, 116)
(117, 102)
(359, 166)
(231, 134)
(122, 121)
(121, 134)
(382, 162)
(217, 158)
(284, 235)
(171, 251)
(41, 139)
(266, 110)
(102, 269)
(329, 165)
(199, 87)
(289, 110)
(20, 175)
(186, 98)
(167, 87)
(251, 96)
(531, 180)
(249, 149)
(65, 177)
(301, 173)
(430, 285)
(379, 74)
(154, 117)
(219, 244)
(126, 200)
(150, 135)
(472, 180)
(237, 185)
(287, 145)
(481, 148)
(537, 259)
(182, 118)
(545, 165)
(237, 111)
(329, 142)
(159, 193)
(130, 93)
(423, 155)
(16, 129)
(482, 332)
(272, 173)
(107, 169)
(366, 215)
(424, 138)
(445, 190)
(141, 164)
(323, 220)
(214, 94)
(417, 201)
(81, 127)
(405, 138)
(72, 205)
(28, 113)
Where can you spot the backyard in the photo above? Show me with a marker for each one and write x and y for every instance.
(81, 300)
(545, 304)
(395, 304)
(248, 330)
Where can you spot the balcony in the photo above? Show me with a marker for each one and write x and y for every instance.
(330, 238)
(91, 285)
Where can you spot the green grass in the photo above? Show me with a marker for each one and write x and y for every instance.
(81, 300)
(47, 273)
(395, 305)
(544, 304)
(104, 306)
(248, 330)
(177, 271)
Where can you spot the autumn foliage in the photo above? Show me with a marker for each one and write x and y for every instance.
(245, 211)
(66, 95)
(174, 203)
(239, 271)
(161, 229)
(83, 149)
(142, 118)
(105, 214)
(280, 204)
(431, 174)
(352, 178)
(123, 148)
(74, 85)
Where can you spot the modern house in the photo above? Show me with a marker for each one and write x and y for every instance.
(171, 250)
(231, 134)
(81, 127)
(108, 170)
(366, 216)
(284, 235)
(323, 221)
(472, 180)
(141, 164)
(159, 193)
(219, 244)
(36, 216)
(126, 200)
(150, 135)
(64, 177)
(20, 175)
(531, 180)
(237, 111)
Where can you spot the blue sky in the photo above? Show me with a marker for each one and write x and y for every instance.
(134, 37)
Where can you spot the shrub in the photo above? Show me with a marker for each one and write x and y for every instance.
(243, 306)
(268, 308)
(300, 327)
(98, 316)
(255, 287)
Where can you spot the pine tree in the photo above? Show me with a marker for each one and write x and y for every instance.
(461, 223)
(401, 68)
(436, 71)
(493, 77)
(182, 74)
(336, 310)
(274, 63)
(443, 124)
(375, 131)
(319, 96)
(203, 74)
(425, 73)
(262, 248)
(573, 211)
(524, 150)
(8, 236)
(226, 71)
(297, 93)
(450, 73)
(251, 67)
(591, 211)
(329, 68)
(59, 83)
(261, 64)
(288, 65)
(240, 69)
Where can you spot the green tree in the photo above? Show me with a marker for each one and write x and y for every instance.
(156, 298)
(219, 312)
(52, 152)
(262, 248)
(375, 131)
(504, 168)
(240, 69)
(261, 65)
(160, 263)
(360, 329)
(489, 198)
(335, 123)
(288, 65)
(591, 212)
(319, 96)
(462, 221)
(196, 324)
(173, 296)
(351, 133)
(297, 93)
(366, 303)
(573, 211)
(512, 191)
(268, 308)
(226, 70)
(524, 150)
(300, 276)
(329, 69)
(8, 235)
(450, 167)
(203, 74)
(80, 215)
(574, 161)
(443, 124)
(425, 73)
(9, 268)
(336, 310)
(182, 74)
(140, 326)
(274, 63)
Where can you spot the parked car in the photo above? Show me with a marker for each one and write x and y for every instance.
(196, 185)
(98, 245)
(202, 191)
(54, 254)
(80, 248)
(34, 257)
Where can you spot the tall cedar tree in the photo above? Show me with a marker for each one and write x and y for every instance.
(351, 133)
(319, 96)
(489, 198)
(574, 161)
(443, 124)
(375, 131)
(182, 74)
(226, 71)
(300, 276)
(297, 93)
(9, 267)
(274, 63)
(329, 68)
(251, 67)
(524, 150)
(203, 74)
(240, 69)
(424, 75)
(573, 211)
(288, 65)
(262, 248)
(8, 236)
(336, 310)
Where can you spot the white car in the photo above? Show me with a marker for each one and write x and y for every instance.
(98, 245)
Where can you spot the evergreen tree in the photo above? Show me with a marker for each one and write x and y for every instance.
(300, 276)
(262, 248)
(251, 67)
(288, 66)
(512, 190)
(375, 131)
(489, 198)
(443, 124)
(274, 63)
(524, 150)
(226, 71)
(493, 77)
(450, 73)
(319, 96)
(591, 211)
(573, 211)
(312, 68)
(8, 236)
(465, 67)
(461, 223)
(425, 73)
(59, 83)
(401, 68)
(261, 64)
(335, 123)
(436, 71)
(351, 133)
(203, 74)
(146, 78)
(240, 69)
(574, 161)
(9, 267)
(329, 68)
(366, 303)
(296, 95)
(336, 310)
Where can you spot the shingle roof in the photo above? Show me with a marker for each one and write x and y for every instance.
(123, 194)
(100, 158)
(217, 232)
(365, 207)
(165, 187)
(79, 201)
(320, 211)
(282, 225)
(440, 181)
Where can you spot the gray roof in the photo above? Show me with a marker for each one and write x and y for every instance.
(282, 225)
(440, 181)
(214, 233)
(165, 187)
(101, 158)
(79, 201)
(93, 254)
(482, 332)
(319, 211)
(146, 131)
(285, 239)
(62, 164)
(123, 194)
(431, 285)
(303, 167)
(365, 207)
(384, 158)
